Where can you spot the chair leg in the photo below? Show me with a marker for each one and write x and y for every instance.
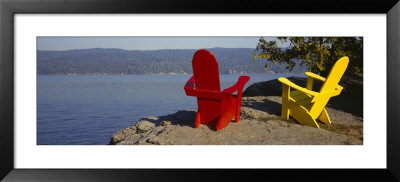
(238, 105)
(197, 121)
(324, 117)
(303, 117)
(222, 122)
(237, 114)
(285, 102)
(285, 112)
(228, 109)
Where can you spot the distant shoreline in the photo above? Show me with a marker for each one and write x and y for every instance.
(162, 62)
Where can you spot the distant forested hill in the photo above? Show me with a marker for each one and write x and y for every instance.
(119, 61)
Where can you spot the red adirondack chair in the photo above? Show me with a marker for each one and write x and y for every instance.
(213, 104)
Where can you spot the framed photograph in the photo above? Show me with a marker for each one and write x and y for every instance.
(119, 91)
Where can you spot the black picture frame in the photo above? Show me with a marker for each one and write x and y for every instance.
(9, 8)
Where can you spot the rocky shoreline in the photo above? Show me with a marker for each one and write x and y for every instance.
(259, 124)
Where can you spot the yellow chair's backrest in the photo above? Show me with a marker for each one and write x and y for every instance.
(333, 78)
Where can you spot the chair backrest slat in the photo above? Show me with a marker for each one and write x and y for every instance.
(334, 76)
(205, 71)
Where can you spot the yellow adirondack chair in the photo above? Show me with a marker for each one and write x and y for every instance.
(305, 105)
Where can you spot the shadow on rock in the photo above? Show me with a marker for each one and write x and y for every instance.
(188, 117)
(182, 118)
(269, 105)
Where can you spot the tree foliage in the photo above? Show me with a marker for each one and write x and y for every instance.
(317, 53)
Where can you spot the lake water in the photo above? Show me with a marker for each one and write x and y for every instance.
(87, 110)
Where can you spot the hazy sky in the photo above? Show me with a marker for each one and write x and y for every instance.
(145, 43)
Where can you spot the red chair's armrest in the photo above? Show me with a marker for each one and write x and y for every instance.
(237, 86)
(191, 91)
(189, 84)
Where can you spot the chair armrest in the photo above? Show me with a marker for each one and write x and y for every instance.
(237, 86)
(189, 87)
(331, 93)
(191, 91)
(204, 94)
(292, 85)
(189, 84)
(313, 75)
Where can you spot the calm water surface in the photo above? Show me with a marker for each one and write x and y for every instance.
(87, 110)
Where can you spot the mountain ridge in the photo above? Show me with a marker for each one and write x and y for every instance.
(95, 61)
